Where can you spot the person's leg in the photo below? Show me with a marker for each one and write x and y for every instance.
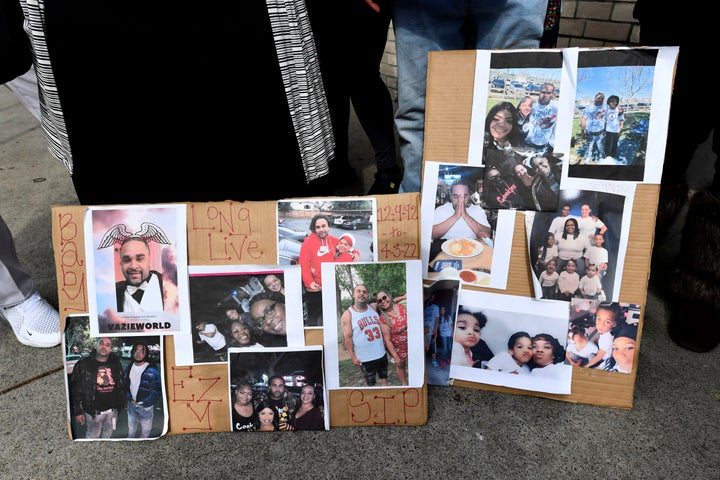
(560, 265)
(580, 267)
(614, 146)
(608, 144)
(420, 26)
(447, 348)
(508, 24)
(33, 320)
(108, 423)
(681, 142)
(597, 150)
(93, 426)
(433, 353)
(588, 148)
(401, 370)
(368, 370)
(382, 370)
(593, 152)
(694, 285)
(313, 300)
(424, 25)
(367, 37)
(328, 19)
(133, 419)
(146, 419)
(601, 146)
(16, 284)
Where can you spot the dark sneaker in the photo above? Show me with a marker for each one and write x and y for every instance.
(386, 182)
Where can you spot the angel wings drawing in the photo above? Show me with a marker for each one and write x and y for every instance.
(120, 234)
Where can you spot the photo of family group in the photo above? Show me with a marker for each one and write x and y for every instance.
(602, 335)
(511, 341)
(523, 167)
(277, 389)
(241, 306)
(578, 251)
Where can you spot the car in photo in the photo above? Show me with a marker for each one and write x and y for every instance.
(340, 219)
(154, 353)
(355, 224)
(70, 360)
(292, 234)
(296, 379)
(497, 85)
(288, 251)
(533, 88)
(517, 87)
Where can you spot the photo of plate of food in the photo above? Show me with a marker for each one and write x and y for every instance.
(462, 247)
(474, 277)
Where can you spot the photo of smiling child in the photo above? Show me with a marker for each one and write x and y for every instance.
(525, 339)
(515, 359)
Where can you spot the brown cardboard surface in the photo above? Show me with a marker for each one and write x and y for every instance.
(451, 77)
(231, 233)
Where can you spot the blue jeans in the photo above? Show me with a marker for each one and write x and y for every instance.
(446, 347)
(422, 26)
(139, 414)
(595, 146)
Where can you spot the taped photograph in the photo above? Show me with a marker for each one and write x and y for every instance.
(278, 389)
(314, 231)
(373, 331)
(241, 306)
(115, 385)
(463, 239)
(137, 269)
(511, 341)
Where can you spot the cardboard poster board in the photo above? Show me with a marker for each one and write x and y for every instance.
(237, 233)
(451, 78)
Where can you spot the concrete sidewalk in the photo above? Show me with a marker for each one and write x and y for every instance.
(672, 431)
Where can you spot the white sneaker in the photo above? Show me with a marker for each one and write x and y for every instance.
(35, 322)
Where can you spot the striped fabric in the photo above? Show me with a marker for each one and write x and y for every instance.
(298, 64)
(300, 71)
(52, 121)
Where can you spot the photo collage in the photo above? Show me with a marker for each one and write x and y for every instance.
(559, 140)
